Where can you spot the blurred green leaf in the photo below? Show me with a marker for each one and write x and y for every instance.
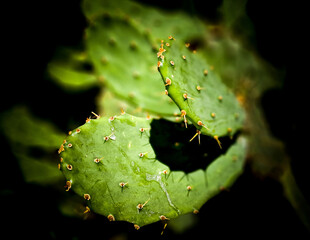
(34, 143)
(39, 171)
(22, 128)
(71, 69)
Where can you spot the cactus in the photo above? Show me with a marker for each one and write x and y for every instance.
(111, 162)
(198, 91)
(134, 30)
(112, 165)
(136, 169)
(123, 59)
(156, 23)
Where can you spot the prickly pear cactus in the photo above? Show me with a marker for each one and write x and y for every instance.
(111, 162)
(123, 58)
(119, 45)
(112, 165)
(155, 22)
(199, 93)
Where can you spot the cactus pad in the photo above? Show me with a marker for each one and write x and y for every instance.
(157, 23)
(198, 91)
(124, 60)
(111, 164)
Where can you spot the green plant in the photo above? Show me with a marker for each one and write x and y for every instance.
(110, 161)
(119, 51)
(198, 92)
(178, 116)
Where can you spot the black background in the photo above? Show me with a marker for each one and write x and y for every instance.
(253, 208)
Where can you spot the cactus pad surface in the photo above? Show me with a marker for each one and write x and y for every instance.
(111, 164)
(124, 60)
(199, 93)
(155, 22)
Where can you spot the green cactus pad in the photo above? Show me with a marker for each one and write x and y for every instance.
(110, 162)
(109, 105)
(198, 91)
(157, 23)
(123, 58)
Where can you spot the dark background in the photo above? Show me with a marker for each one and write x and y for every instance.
(253, 208)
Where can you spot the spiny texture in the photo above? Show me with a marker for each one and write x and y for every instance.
(110, 162)
(118, 55)
(198, 91)
(123, 59)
